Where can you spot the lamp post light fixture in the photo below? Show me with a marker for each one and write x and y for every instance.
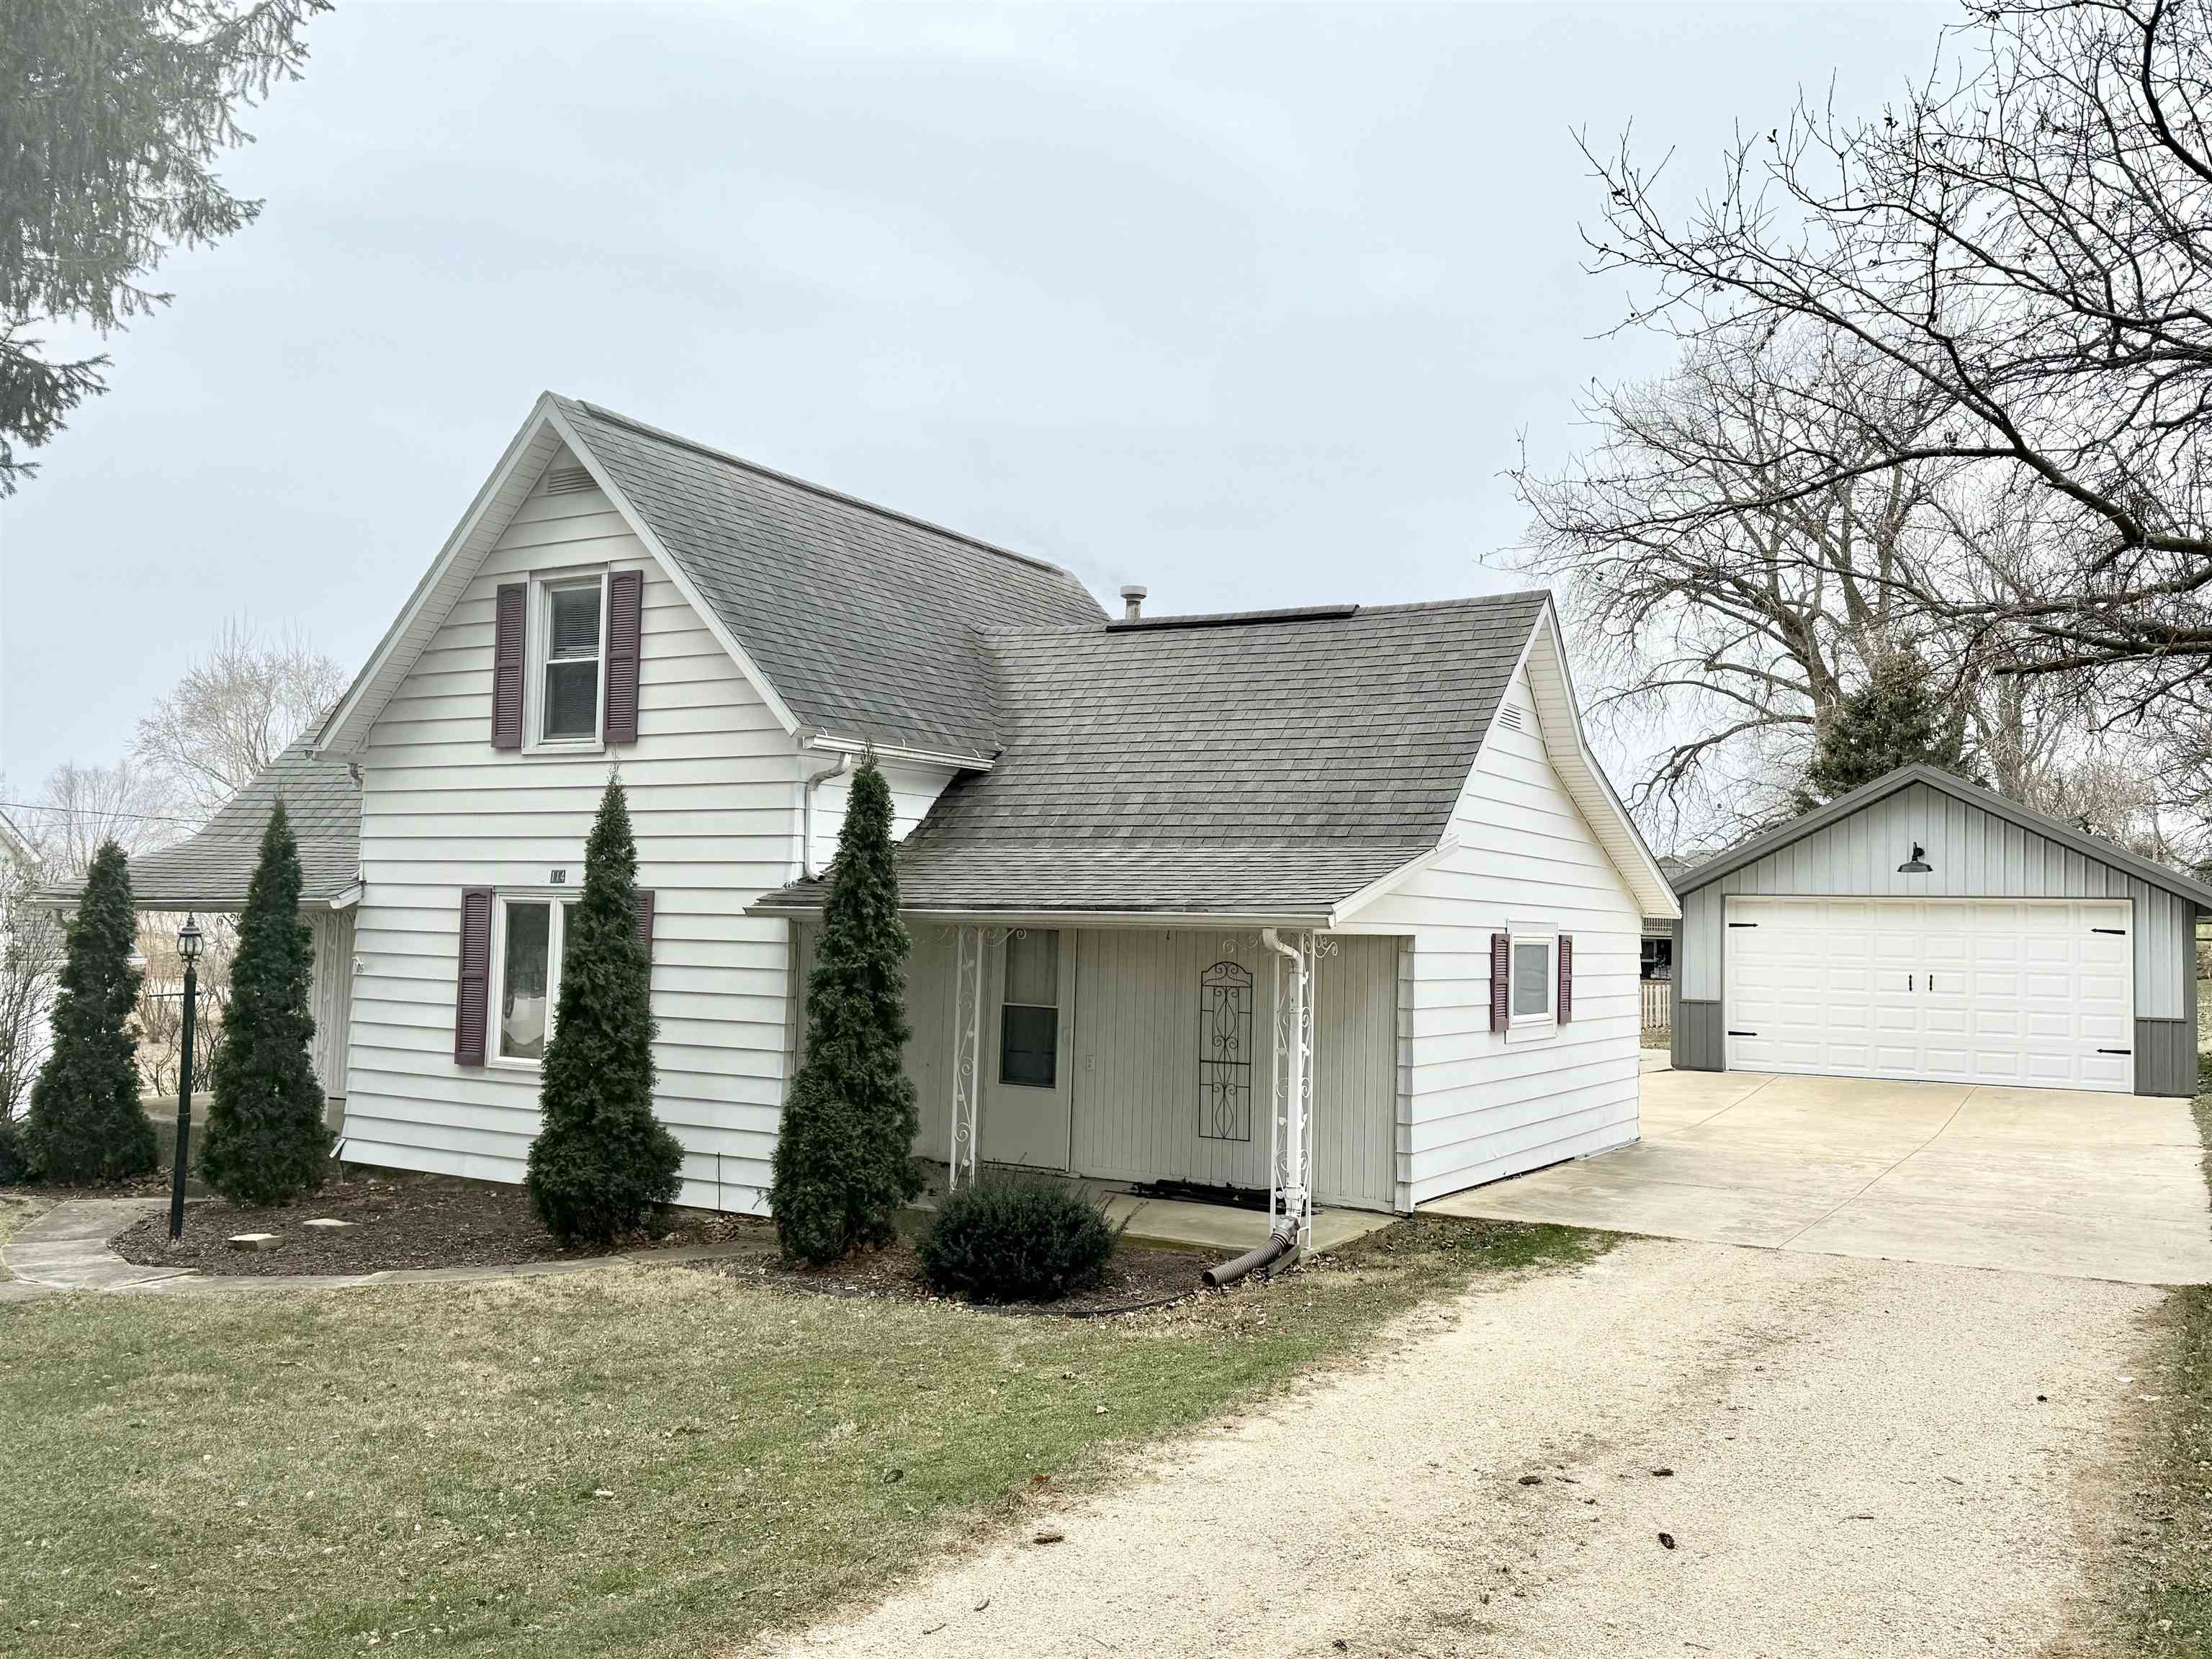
(188, 940)
(1918, 865)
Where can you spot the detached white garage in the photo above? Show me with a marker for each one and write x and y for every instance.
(1923, 928)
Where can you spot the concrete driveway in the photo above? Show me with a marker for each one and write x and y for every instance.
(2088, 1185)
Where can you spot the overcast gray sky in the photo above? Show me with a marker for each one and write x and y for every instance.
(1247, 304)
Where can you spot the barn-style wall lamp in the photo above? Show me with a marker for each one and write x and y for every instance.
(1918, 865)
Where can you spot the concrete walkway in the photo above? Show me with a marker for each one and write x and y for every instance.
(66, 1251)
(2091, 1186)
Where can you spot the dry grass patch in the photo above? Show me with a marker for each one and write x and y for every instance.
(642, 1460)
(18, 1211)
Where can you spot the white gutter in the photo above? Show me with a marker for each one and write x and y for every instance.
(806, 817)
(889, 752)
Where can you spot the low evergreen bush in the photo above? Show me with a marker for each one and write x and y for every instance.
(1016, 1241)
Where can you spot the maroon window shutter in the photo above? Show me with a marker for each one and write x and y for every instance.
(472, 994)
(1501, 975)
(625, 620)
(508, 627)
(1566, 978)
(645, 921)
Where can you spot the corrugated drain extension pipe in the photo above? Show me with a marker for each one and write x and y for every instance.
(806, 828)
(1282, 1240)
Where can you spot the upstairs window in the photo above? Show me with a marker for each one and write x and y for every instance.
(1028, 1017)
(574, 618)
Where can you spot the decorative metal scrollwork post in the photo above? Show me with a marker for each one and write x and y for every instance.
(967, 945)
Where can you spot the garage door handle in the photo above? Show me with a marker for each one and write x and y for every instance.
(2116, 1051)
(1743, 1034)
(1743, 924)
(2122, 932)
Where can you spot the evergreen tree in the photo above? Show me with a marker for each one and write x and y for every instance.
(85, 1122)
(267, 1141)
(844, 1160)
(602, 1163)
(114, 111)
(1894, 719)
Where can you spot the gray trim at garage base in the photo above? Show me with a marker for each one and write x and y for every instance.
(1700, 1044)
(2165, 1057)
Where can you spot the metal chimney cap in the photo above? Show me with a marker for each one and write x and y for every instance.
(1132, 602)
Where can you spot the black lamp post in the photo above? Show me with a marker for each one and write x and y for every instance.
(188, 947)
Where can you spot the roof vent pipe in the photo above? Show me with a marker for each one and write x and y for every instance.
(1133, 603)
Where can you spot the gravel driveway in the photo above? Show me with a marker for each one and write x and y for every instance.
(1860, 1465)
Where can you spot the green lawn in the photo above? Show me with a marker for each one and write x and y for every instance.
(642, 1460)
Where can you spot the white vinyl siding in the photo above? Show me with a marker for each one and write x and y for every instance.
(712, 782)
(915, 789)
(1479, 1106)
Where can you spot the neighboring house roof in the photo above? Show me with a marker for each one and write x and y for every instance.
(2095, 848)
(1265, 763)
(852, 621)
(212, 869)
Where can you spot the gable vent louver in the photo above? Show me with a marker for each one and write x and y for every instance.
(1511, 716)
(568, 481)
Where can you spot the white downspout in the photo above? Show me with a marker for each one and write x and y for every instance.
(1294, 1155)
(806, 817)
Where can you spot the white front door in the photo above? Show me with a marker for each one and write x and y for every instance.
(1029, 1029)
(2035, 992)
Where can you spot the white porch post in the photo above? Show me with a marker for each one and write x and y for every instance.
(967, 1039)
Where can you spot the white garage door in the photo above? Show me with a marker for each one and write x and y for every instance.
(2034, 993)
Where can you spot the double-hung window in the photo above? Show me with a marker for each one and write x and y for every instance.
(572, 632)
(1535, 990)
(528, 942)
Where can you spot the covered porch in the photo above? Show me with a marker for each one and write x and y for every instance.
(1212, 1076)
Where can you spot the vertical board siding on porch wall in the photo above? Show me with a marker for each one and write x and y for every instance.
(712, 782)
(1483, 1105)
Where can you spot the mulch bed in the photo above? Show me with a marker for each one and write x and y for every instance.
(1136, 1275)
(404, 1220)
(414, 1221)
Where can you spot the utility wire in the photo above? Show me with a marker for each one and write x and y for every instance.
(98, 812)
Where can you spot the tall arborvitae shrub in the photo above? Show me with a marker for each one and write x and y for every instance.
(1896, 719)
(85, 1123)
(602, 1163)
(844, 1156)
(267, 1141)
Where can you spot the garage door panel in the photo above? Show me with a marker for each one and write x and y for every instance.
(2007, 991)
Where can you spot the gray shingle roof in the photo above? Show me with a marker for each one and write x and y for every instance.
(211, 870)
(865, 621)
(1265, 764)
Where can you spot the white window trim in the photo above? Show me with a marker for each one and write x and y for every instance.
(1527, 1026)
(496, 993)
(538, 639)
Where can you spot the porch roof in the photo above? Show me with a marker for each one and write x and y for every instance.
(212, 869)
(1302, 881)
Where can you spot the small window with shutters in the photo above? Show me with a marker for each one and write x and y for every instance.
(1531, 981)
(510, 986)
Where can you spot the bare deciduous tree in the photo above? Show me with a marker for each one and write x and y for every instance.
(83, 806)
(236, 709)
(2025, 241)
(30, 964)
